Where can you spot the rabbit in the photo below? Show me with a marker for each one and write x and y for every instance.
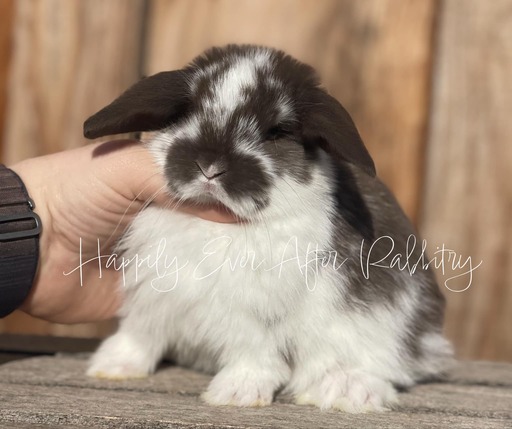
(301, 295)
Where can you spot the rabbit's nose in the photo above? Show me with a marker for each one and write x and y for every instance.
(211, 171)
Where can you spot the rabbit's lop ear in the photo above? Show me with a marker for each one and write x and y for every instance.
(328, 124)
(151, 104)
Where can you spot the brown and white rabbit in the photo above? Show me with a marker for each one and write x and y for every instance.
(306, 292)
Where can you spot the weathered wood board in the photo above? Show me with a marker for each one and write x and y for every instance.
(468, 197)
(54, 391)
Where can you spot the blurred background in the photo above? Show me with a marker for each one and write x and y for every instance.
(428, 83)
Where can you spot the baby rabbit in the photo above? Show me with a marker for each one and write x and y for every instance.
(308, 291)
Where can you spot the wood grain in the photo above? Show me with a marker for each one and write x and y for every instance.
(72, 57)
(373, 55)
(468, 200)
(477, 395)
(6, 15)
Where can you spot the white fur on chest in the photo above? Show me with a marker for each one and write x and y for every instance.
(212, 285)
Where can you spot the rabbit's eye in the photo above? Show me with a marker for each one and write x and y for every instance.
(276, 132)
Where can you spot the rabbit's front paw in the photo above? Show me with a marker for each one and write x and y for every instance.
(115, 370)
(350, 391)
(119, 358)
(240, 388)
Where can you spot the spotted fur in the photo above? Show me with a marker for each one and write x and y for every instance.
(249, 128)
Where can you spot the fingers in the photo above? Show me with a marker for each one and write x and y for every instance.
(213, 214)
(138, 176)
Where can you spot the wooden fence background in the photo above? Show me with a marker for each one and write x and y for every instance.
(428, 82)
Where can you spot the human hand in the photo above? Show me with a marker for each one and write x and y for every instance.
(92, 193)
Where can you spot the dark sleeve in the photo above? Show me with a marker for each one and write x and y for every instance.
(19, 241)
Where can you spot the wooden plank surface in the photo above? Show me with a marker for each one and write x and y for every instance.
(373, 55)
(72, 57)
(468, 201)
(60, 394)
